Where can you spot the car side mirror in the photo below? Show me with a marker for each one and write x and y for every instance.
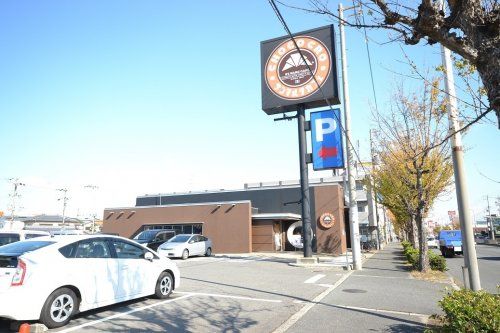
(191, 241)
(149, 256)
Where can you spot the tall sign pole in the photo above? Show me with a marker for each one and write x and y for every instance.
(298, 73)
(304, 182)
(470, 257)
(353, 205)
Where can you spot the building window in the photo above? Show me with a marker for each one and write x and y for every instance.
(177, 228)
(360, 186)
(361, 209)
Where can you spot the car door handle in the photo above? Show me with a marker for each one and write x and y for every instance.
(124, 267)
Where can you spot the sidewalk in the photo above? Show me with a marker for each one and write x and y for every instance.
(325, 260)
(383, 297)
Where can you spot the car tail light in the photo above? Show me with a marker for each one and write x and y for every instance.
(18, 278)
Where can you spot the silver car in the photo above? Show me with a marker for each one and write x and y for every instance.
(186, 245)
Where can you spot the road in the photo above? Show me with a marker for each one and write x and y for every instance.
(488, 258)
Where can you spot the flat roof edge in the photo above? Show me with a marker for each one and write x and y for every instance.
(181, 205)
(237, 190)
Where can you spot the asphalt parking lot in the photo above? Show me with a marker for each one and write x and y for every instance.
(253, 294)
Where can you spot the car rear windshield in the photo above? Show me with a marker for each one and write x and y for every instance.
(8, 238)
(19, 248)
(179, 239)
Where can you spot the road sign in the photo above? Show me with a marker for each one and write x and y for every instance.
(326, 138)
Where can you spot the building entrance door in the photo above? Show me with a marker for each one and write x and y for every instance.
(262, 236)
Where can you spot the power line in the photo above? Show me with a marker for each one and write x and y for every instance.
(369, 56)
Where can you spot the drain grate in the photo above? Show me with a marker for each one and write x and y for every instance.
(354, 291)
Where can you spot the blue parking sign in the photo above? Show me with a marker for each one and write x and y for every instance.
(326, 138)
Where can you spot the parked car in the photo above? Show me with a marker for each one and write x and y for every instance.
(450, 242)
(153, 238)
(51, 278)
(185, 245)
(10, 236)
(432, 242)
(480, 238)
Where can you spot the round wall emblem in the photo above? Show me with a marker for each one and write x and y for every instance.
(327, 220)
(287, 73)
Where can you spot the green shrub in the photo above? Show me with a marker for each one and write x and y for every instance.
(412, 255)
(437, 262)
(405, 244)
(471, 311)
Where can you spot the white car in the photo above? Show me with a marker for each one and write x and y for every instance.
(52, 278)
(185, 245)
(11, 236)
(432, 242)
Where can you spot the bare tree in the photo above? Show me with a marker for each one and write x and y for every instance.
(469, 28)
(411, 175)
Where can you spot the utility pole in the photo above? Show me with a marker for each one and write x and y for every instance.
(469, 249)
(16, 184)
(490, 219)
(372, 185)
(353, 206)
(94, 188)
(65, 202)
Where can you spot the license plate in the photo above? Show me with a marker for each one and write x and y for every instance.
(458, 249)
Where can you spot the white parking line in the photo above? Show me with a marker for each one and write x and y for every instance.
(315, 278)
(382, 277)
(231, 296)
(118, 315)
(420, 315)
(294, 318)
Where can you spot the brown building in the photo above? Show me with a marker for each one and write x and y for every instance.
(249, 220)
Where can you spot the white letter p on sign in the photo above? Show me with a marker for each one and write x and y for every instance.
(331, 125)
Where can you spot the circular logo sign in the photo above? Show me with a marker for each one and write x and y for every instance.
(288, 74)
(327, 220)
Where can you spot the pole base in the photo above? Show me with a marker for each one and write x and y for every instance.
(307, 261)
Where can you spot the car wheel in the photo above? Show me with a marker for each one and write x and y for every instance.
(209, 252)
(59, 307)
(185, 254)
(164, 285)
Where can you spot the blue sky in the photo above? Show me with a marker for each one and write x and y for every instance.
(160, 96)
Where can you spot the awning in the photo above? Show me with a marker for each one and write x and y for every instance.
(277, 216)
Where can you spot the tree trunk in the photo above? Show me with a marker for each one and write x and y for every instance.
(423, 259)
(488, 65)
(414, 233)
